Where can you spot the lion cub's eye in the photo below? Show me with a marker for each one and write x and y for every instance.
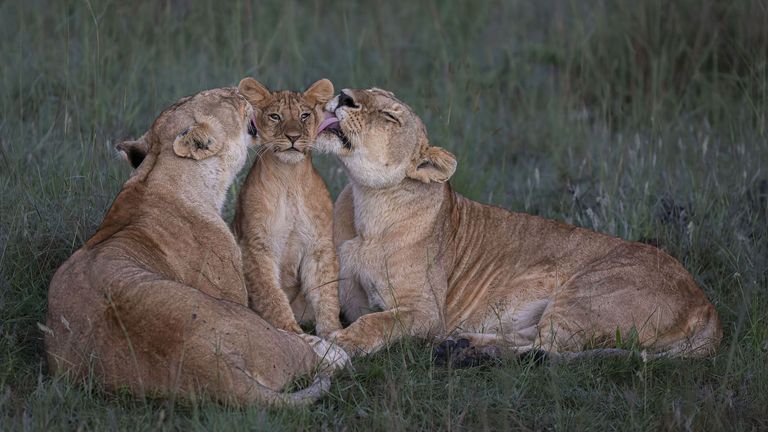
(304, 116)
(274, 117)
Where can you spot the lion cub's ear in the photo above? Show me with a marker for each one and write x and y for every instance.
(253, 90)
(434, 165)
(133, 151)
(200, 141)
(320, 92)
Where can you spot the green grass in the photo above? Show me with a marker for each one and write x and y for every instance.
(645, 120)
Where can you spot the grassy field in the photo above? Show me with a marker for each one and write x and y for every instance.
(646, 120)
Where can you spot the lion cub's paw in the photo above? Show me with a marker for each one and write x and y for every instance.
(332, 356)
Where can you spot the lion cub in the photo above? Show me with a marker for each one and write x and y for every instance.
(283, 219)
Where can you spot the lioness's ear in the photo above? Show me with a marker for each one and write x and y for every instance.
(133, 151)
(253, 90)
(200, 141)
(434, 165)
(320, 92)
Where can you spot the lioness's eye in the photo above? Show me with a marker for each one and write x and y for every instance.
(304, 116)
(390, 117)
(274, 117)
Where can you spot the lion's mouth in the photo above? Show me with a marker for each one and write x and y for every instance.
(291, 149)
(332, 125)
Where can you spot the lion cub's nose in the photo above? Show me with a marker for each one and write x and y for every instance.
(292, 136)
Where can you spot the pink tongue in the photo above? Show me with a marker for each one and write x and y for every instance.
(329, 120)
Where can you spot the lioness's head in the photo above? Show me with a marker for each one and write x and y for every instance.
(217, 123)
(286, 121)
(381, 141)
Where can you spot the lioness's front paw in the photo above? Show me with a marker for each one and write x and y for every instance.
(332, 356)
(339, 338)
(327, 331)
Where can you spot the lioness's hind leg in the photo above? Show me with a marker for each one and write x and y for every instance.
(616, 305)
(205, 340)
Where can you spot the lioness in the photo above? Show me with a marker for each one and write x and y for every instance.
(155, 301)
(284, 213)
(431, 262)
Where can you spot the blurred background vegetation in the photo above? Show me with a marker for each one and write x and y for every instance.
(643, 119)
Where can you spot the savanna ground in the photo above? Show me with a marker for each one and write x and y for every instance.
(643, 119)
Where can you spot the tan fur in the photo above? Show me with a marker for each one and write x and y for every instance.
(155, 301)
(419, 259)
(283, 219)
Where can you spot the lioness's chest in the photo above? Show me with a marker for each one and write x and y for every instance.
(367, 262)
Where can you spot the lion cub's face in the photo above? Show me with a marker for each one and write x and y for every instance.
(380, 140)
(217, 123)
(286, 121)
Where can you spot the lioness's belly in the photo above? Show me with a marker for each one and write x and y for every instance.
(496, 297)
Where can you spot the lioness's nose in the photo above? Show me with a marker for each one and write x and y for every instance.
(292, 136)
(346, 100)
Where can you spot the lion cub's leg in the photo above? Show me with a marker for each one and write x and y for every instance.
(265, 296)
(319, 285)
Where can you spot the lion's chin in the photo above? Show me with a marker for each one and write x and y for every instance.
(327, 142)
(290, 156)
